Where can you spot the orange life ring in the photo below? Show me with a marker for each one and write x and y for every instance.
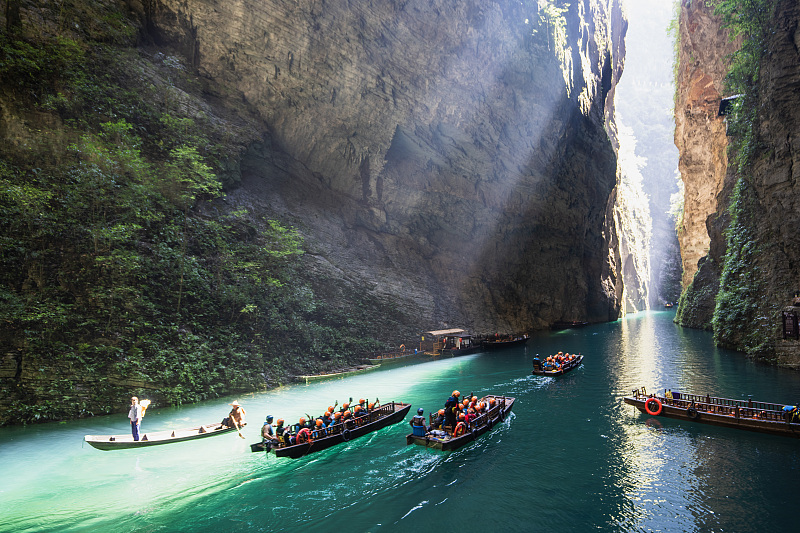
(657, 410)
(304, 435)
(460, 429)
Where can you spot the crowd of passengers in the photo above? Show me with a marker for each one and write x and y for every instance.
(555, 362)
(456, 418)
(307, 429)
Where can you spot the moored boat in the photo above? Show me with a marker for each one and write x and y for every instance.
(358, 369)
(446, 441)
(397, 356)
(541, 370)
(152, 438)
(378, 418)
(453, 342)
(498, 343)
(764, 417)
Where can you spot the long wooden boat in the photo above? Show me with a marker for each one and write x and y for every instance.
(358, 369)
(566, 367)
(153, 438)
(378, 418)
(764, 417)
(396, 357)
(498, 344)
(481, 425)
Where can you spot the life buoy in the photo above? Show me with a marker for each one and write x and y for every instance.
(653, 411)
(346, 434)
(304, 435)
(460, 429)
(691, 413)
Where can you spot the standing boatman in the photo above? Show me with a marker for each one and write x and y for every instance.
(135, 414)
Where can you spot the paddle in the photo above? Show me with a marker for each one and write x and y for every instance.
(239, 431)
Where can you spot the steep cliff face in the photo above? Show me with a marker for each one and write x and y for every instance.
(450, 158)
(699, 130)
(754, 267)
(775, 176)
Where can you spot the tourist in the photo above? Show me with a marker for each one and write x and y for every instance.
(417, 423)
(135, 414)
(267, 435)
(451, 408)
(438, 422)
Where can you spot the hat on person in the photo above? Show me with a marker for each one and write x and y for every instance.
(235, 404)
(269, 418)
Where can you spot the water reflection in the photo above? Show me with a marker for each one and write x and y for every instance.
(573, 457)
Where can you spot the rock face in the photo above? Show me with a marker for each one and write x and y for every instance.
(453, 158)
(767, 283)
(699, 130)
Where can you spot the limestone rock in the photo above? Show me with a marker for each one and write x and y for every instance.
(453, 158)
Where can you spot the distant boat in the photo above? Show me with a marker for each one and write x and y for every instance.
(763, 417)
(121, 442)
(358, 369)
(453, 342)
(446, 441)
(497, 343)
(566, 367)
(567, 324)
(378, 418)
(668, 304)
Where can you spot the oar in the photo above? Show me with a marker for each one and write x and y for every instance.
(239, 431)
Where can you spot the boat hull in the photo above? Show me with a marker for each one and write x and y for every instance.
(722, 412)
(122, 442)
(394, 412)
(494, 417)
(575, 363)
(352, 372)
(501, 345)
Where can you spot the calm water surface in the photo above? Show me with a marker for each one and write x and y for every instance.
(573, 457)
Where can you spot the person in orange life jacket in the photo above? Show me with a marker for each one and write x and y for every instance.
(469, 417)
(439, 420)
(450, 408)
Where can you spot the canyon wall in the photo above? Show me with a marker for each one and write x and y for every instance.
(452, 159)
(700, 132)
(749, 273)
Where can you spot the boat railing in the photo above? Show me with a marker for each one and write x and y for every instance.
(351, 423)
(721, 406)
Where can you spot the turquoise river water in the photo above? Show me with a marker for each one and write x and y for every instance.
(573, 457)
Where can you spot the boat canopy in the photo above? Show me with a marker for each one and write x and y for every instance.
(446, 332)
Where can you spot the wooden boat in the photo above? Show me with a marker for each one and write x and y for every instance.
(358, 369)
(396, 357)
(498, 343)
(453, 342)
(121, 442)
(764, 417)
(568, 324)
(378, 418)
(481, 425)
(566, 367)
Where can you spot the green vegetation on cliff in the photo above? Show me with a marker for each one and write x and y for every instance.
(737, 320)
(121, 268)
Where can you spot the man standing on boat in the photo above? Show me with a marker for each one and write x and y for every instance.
(135, 414)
